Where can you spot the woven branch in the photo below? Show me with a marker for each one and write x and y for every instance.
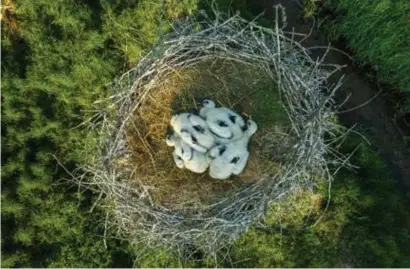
(311, 144)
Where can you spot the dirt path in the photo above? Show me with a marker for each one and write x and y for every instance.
(376, 116)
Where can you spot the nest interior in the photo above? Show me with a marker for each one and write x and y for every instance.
(259, 71)
(236, 85)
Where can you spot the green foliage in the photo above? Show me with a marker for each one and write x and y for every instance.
(246, 8)
(379, 34)
(66, 53)
(367, 223)
(135, 27)
(268, 109)
(378, 234)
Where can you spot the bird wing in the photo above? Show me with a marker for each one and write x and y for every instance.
(195, 120)
(234, 117)
(178, 160)
(186, 152)
(219, 131)
(240, 165)
(233, 124)
(188, 138)
(217, 151)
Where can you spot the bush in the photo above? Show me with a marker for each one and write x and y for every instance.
(366, 224)
(57, 57)
(378, 32)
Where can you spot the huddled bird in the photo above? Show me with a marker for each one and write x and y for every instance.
(223, 123)
(231, 158)
(185, 156)
(193, 130)
(216, 138)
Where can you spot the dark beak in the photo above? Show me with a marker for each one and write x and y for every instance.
(245, 116)
(201, 100)
(193, 111)
(170, 131)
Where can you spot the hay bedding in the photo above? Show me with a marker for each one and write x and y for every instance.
(227, 82)
(152, 202)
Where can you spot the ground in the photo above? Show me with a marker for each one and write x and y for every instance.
(376, 116)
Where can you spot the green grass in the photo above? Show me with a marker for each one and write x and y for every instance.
(366, 225)
(268, 109)
(52, 72)
(378, 32)
(68, 51)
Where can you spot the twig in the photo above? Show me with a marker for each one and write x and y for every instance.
(215, 225)
(361, 105)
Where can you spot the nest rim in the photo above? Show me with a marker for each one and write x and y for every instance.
(308, 102)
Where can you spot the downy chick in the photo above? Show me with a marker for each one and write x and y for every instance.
(185, 156)
(193, 130)
(231, 158)
(223, 123)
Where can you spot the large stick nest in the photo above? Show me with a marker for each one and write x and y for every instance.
(227, 59)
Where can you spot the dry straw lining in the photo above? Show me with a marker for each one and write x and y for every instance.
(231, 84)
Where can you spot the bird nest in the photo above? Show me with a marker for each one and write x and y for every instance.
(259, 71)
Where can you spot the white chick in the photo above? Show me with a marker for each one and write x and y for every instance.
(231, 158)
(185, 156)
(194, 131)
(223, 123)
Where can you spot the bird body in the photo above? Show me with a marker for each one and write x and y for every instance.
(223, 123)
(231, 158)
(193, 130)
(240, 165)
(220, 164)
(178, 160)
(217, 138)
(185, 156)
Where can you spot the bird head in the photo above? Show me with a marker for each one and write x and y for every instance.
(170, 137)
(174, 120)
(206, 102)
(193, 110)
(252, 127)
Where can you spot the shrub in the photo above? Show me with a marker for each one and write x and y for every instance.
(57, 57)
(378, 32)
